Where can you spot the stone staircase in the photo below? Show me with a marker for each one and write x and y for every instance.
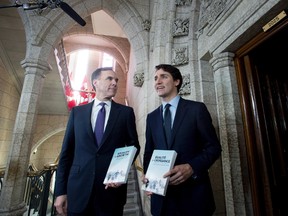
(133, 205)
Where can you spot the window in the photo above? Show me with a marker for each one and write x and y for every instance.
(79, 89)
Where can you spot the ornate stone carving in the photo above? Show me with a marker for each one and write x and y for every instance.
(146, 25)
(181, 27)
(183, 2)
(180, 56)
(138, 79)
(186, 86)
(210, 11)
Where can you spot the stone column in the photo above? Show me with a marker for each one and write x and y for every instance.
(230, 132)
(12, 194)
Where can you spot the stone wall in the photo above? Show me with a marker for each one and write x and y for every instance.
(47, 139)
(9, 100)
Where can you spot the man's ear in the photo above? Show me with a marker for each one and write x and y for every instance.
(94, 82)
(177, 82)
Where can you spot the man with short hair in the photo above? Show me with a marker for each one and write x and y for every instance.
(85, 156)
(193, 137)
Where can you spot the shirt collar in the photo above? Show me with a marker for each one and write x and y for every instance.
(174, 102)
(97, 102)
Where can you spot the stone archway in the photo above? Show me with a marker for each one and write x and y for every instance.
(43, 34)
(47, 31)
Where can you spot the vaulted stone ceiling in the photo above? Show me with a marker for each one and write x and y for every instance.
(13, 49)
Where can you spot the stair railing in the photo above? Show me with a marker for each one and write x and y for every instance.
(2, 172)
(39, 191)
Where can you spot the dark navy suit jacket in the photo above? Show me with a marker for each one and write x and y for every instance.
(195, 140)
(82, 165)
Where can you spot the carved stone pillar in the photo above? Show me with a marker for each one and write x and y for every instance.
(12, 194)
(230, 131)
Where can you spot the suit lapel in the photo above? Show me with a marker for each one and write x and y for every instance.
(113, 116)
(87, 115)
(157, 123)
(178, 120)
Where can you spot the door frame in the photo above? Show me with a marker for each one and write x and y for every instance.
(259, 179)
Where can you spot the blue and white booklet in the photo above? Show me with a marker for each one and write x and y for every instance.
(162, 161)
(120, 165)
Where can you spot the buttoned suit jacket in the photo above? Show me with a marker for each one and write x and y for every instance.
(196, 143)
(82, 165)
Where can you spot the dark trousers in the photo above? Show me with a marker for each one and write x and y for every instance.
(96, 209)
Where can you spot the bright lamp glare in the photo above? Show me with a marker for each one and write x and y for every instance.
(80, 68)
(107, 60)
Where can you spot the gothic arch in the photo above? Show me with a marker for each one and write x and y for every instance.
(120, 52)
(44, 32)
(47, 127)
(46, 135)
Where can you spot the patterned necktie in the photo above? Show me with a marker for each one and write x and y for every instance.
(99, 126)
(167, 123)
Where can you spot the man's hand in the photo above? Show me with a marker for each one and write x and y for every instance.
(179, 174)
(113, 185)
(146, 181)
(61, 205)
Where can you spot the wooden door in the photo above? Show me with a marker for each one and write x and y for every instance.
(263, 86)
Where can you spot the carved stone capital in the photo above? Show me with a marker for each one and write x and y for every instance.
(180, 27)
(138, 79)
(186, 86)
(146, 25)
(183, 2)
(180, 56)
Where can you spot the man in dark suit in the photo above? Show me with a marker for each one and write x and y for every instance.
(84, 161)
(193, 137)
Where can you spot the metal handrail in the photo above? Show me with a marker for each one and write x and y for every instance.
(39, 193)
(39, 190)
(2, 173)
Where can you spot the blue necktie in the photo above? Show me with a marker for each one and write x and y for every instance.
(99, 126)
(167, 123)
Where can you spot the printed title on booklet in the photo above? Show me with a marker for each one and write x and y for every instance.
(122, 154)
(161, 159)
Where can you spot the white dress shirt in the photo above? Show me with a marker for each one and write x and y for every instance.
(95, 109)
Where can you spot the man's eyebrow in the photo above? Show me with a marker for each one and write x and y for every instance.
(111, 78)
(160, 75)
